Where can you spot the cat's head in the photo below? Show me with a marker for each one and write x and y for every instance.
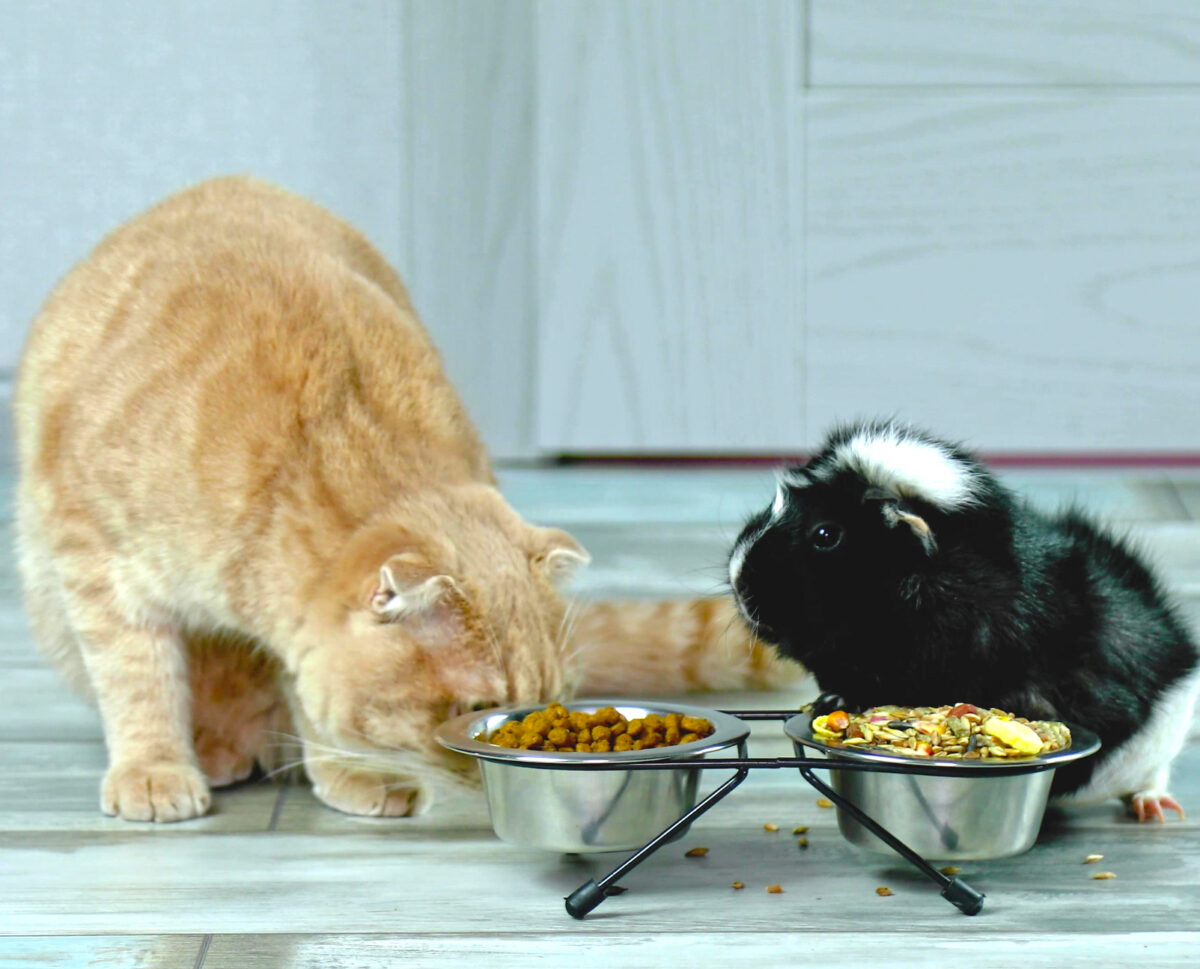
(450, 603)
(852, 538)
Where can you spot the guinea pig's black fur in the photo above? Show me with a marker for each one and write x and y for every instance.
(898, 569)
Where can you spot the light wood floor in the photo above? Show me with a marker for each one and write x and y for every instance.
(274, 879)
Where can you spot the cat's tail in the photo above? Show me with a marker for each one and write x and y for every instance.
(636, 648)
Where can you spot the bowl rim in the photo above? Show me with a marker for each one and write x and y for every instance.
(459, 734)
(1084, 743)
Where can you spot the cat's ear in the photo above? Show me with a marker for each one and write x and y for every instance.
(557, 555)
(403, 594)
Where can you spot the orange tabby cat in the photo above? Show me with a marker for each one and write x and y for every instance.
(251, 504)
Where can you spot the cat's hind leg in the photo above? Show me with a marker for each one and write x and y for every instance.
(238, 710)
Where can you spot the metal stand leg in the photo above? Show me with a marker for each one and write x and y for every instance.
(590, 894)
(954, 890)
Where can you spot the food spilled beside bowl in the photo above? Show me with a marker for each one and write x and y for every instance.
(990, 798)
(534, 764)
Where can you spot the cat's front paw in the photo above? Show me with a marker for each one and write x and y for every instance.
(377, 795)
(154, 792)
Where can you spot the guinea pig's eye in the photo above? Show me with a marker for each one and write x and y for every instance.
(481, 705)
(826, 536)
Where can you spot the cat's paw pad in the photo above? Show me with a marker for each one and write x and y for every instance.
(154, 792)
(222, 762)
(368, 793)
(1149, 805)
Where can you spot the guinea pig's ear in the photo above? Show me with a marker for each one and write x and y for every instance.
(557, 555)
(896, 514)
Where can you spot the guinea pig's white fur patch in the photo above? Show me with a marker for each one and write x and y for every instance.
(892, 458)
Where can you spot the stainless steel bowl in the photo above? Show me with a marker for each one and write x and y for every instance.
(977, 810)
(547, 799)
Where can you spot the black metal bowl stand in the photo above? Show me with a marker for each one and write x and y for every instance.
(956, 891)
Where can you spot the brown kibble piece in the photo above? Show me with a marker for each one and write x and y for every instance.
(600, 732)
(623, 743)
(801, 842)
(695, 852)
(689, 738)
(583, 747)
(950, 870)
(636, 728)
(1092, 859)
(770, 826)
(801, 829)
(1104, 875)
(739, 885)
(824, 802)
(775, 889)
(560, 737)
(695, 725)
(883, 891)
(601, 746)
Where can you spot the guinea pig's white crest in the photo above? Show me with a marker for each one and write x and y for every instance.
(896, 459)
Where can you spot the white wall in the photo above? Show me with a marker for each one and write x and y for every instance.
(664, 226)
(411, 119)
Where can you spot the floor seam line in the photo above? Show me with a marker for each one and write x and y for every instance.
(203, 953)
(278, 809)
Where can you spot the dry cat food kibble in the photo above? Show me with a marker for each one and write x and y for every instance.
(770, 826)
(1092, 859)
(883, 891)
(1104, 875)
(696, 852)
(739, 885)
(775, 889)
(960, 732)
(574, 731)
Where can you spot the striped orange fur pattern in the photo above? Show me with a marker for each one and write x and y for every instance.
(669, 648)
(256, 525)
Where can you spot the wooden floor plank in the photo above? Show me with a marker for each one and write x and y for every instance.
(763, 948)
(106, 952)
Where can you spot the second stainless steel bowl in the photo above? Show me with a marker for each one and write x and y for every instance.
(978, 810)
(552, 800)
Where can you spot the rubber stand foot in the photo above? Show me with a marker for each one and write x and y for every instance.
(967, 899)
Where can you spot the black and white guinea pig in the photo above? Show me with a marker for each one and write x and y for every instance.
(898, 569)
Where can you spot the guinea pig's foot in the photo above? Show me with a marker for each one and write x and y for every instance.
(1149, 805)
(161, 791)
(365, 792)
